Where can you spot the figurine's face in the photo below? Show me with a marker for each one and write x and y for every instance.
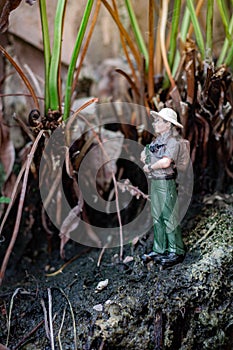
(160, 125)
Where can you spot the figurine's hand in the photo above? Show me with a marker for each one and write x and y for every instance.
(145, 169)
(143, 157)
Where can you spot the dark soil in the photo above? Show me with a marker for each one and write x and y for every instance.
(189, 306)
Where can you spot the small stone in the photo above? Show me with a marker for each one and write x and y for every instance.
(98, 307)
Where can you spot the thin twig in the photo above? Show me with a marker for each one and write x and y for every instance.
(60, 328)
(124, 46)
(51, 319)
(21, 94)
(72, 316)
(118, 216)
(20, 207)
(46, 324)
(103, 250)
(101, 255)
(10, 312)
(22, 75)
(60, 270)
(124, 33)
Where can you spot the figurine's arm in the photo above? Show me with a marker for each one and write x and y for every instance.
(163, 163)
(143, 156)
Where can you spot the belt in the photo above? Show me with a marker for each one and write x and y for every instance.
(166, 177)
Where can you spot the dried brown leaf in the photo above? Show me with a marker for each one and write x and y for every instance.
(6, 6)
(70, 223)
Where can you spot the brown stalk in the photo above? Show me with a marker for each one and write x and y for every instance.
(163, 41)
(123, 32)
(198, 9)
(22, 75)
(20, 206)
(60, 270)
(130, 81)
(151, 51)
(126, 51)
(157, 56)
(85, 47)
(74, 116)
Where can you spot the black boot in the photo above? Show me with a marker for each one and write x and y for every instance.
(156, 257)
(172, 259)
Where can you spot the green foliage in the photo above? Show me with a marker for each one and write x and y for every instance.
(52, 58)
(4, 200)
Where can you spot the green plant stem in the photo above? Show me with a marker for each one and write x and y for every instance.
(225, 45)
(174, 31)
(224, 16)
(47, 51)
(77, 47)
(137, 32)
(209, 30)
(229, 58)
(197, 30)
(55, 58)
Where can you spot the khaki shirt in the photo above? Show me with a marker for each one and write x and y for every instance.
(165, 145)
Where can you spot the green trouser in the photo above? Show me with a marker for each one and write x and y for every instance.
(165, 215)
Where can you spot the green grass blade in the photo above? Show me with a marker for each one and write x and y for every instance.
(229, 58)
(137, 32)
(56, 54)
(47, 51)
(225, 45)
(209, 30)
(197, 30)
(224, 16)
(174, 31)
(77, 47)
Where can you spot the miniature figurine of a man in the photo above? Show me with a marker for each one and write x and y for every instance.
(168, 247)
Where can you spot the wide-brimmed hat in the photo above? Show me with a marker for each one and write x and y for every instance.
(167, 114)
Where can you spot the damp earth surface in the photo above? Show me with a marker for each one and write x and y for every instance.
(46, 303)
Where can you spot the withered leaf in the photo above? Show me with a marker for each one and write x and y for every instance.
(70, 223)
(6, 6)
